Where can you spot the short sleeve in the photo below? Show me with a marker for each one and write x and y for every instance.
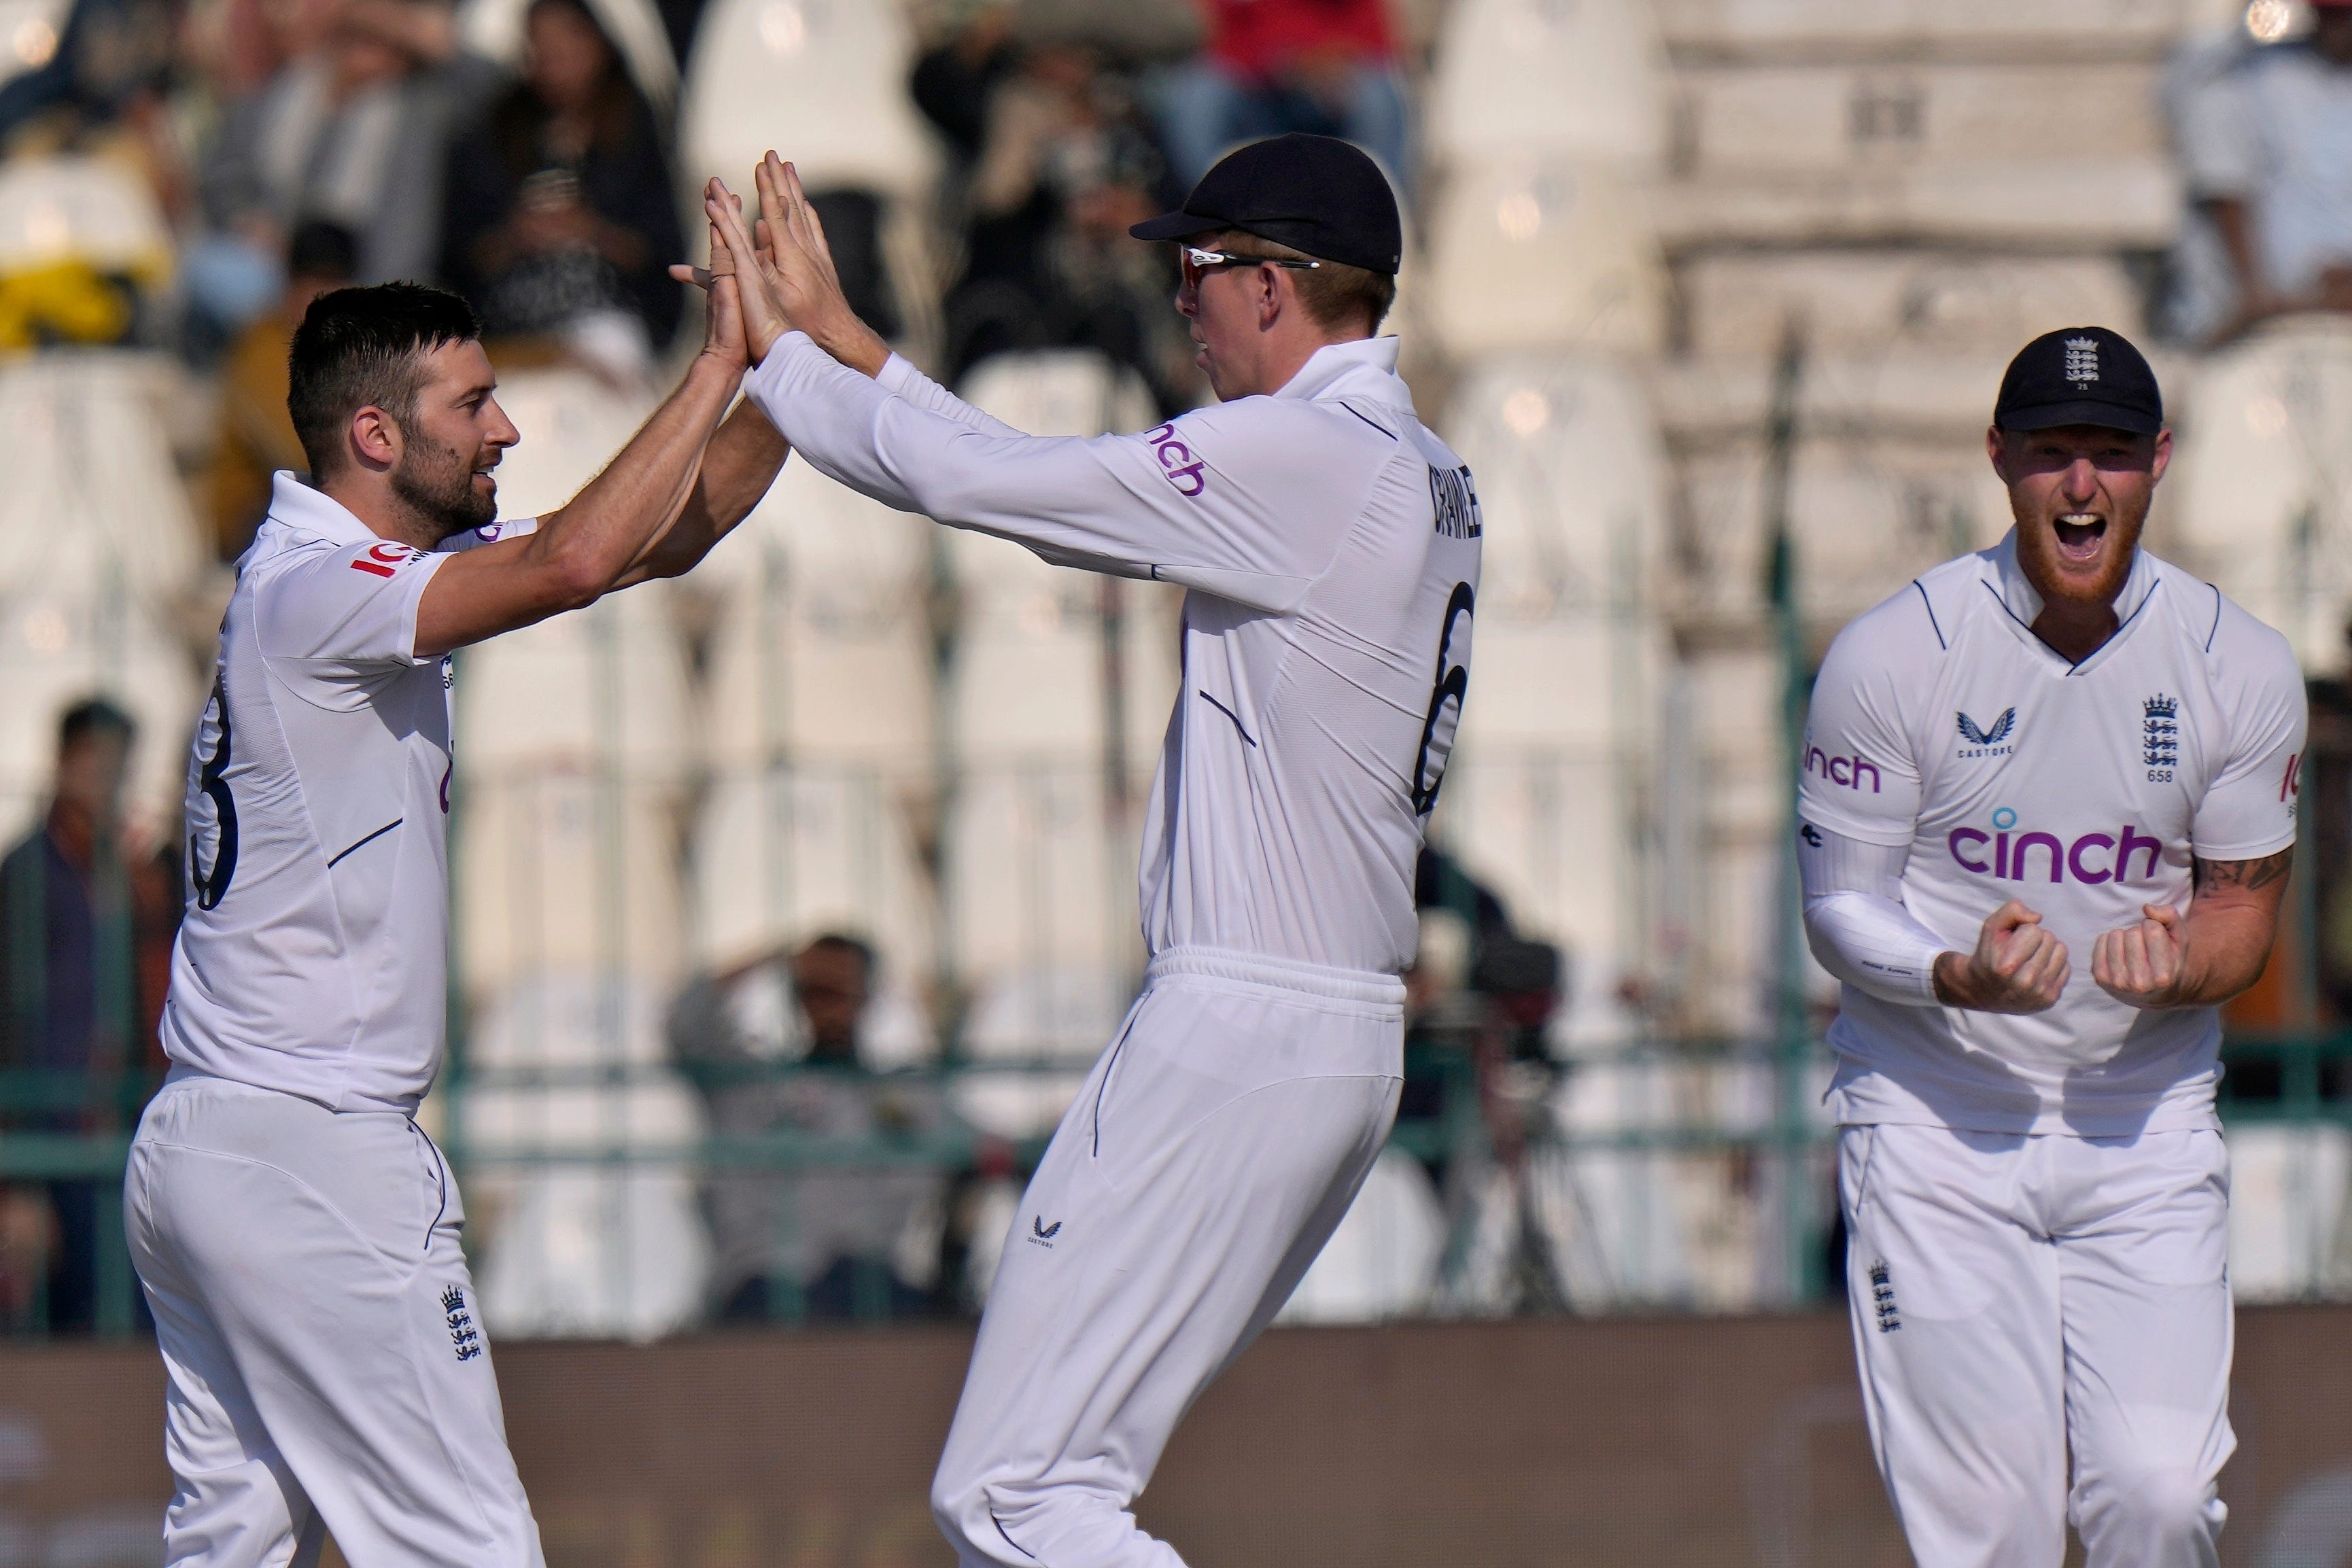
(488, 534)
(347, 611)
(2220, 146)
(1860, 776)
(2248, 807)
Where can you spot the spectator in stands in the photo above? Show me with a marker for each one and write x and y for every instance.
(780, 1047)
(562, 219)
(1061, 162)
(1328, 67)
(87, 913)
(353, 130)
(2267, 141)
(103, 92)
(256, 435)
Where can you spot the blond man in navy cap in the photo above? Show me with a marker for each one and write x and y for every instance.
(1330, 544)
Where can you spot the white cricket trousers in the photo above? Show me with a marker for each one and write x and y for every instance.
(327, 1366)
(1213, 1150)
(2013, 1295)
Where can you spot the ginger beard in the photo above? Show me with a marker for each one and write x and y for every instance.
(438, 482)
(2076, 548)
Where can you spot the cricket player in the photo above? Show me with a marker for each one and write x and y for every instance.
(296, 1233)
(2060, 748)
(1331, 546)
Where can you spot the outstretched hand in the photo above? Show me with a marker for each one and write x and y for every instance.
(798, 265)
(743, 318)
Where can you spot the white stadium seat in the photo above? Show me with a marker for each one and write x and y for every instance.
(30, 31)
(1532, 251)
(1573, 78)
(74, 208)
(823, 82)
(1040, 860)
(780, 853)
(2260, 497)
(97, 558)
(1382, 1262)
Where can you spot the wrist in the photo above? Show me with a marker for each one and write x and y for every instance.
(1948, 972)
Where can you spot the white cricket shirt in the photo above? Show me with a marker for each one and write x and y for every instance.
(1332, 547)
(313, 955)
(1941, 722)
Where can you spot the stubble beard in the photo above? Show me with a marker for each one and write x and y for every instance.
(437, 483)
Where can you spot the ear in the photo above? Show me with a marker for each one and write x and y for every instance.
(2163, 458)
(375, 439)
(1272, 284)
(1997, 448)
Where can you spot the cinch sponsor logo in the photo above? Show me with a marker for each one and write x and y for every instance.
(2093, 858)
(1845, 770)
(1183, 468)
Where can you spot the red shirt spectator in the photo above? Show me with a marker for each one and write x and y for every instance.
(1265, 40)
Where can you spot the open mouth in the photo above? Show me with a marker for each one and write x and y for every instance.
(2079, 536)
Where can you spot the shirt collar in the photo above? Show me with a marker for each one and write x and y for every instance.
(296, 505)
(2024, 600)
(1365, 368)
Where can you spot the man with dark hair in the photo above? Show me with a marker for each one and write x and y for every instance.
(2058, 746)
(296, 1232)
(87, 913)
(1330, 544)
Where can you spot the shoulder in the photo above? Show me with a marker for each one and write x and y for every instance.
(1285, 428)
(1916, 623)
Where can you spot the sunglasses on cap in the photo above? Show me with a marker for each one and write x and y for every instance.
(1197, 262)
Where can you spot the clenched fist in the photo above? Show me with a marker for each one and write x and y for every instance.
(2017, 967)
(2139, 966)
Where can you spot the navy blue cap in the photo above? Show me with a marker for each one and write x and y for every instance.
(1317, 194)
(2080, 375)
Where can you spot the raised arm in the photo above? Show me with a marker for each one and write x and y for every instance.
(2210, 955)
(617, 524)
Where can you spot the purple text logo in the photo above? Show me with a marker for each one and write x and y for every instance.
(1183, 468)
(1845, 770)
(2093, 859)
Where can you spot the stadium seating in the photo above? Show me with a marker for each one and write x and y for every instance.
(1039, 856)
(2140, 26)
(98, 555)
(68, 208)
(495, 29)
(2287, 1186)
(1834, 152)
(1382, 1260)
(2259, 499)
(1880, 305)
(820, 705)
(1546, 797)
(1574, 81)
(823, 82)
(1533, 251)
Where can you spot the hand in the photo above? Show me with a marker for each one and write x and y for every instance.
(2017, 967)
(2139, 966)
(732, 253)
(739, 305)
(801, 274)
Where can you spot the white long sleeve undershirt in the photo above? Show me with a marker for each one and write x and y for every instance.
(1855, 921)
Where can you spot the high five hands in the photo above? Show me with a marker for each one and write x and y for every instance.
(778, 275)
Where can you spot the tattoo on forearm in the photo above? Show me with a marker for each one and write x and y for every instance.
(2245, 876)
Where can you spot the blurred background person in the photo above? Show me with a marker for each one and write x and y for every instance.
(88, 911)
(1327, 66)
(560, 220)
(354, 129)
(784, 1044)
(1060, 159)
(2264, 134)
(255, 435)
